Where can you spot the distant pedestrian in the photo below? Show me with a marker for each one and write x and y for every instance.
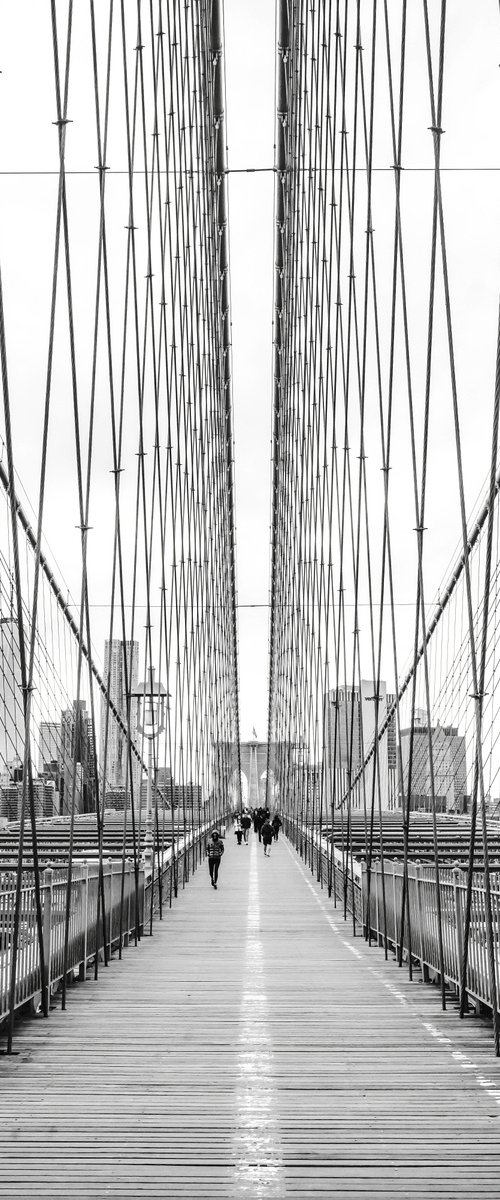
(246, 822)
(267, 834)
(276, 824)
(215, 850)
(238, 831)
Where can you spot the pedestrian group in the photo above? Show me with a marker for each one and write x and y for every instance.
(266, 828)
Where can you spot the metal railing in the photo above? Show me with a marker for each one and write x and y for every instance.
(420, 936)
(328, 865)
(132, 898)
(374, 901)
(86, 936)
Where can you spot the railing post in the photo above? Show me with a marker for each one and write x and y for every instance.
(394, 906)
(141, 899)
(85, 916)
(374, 875)
(48, 890)
(365, 916)
(110, 907)
(418, 884)
(459, 920)
(130, 885)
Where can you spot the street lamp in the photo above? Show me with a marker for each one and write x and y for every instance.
(152, 704)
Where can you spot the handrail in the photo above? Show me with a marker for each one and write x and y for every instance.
(128, 910)
(423, 922)
(348, 881)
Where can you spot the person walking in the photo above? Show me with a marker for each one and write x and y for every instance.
(246, 822)
(276, 824)
(215, 850)
(238, 831)
(267, 834)
(261, 816)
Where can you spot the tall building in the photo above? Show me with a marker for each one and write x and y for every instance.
(448, 763)
(11, 695)
(350, 715)
(11, 799)
(77, 759)
(113, 741)
(49, 743)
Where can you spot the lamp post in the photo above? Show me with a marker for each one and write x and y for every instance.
(152, 703)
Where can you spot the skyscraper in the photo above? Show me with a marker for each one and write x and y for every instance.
(113, 741)
(350, 720)
(77, 758)
(50, 743)
(449, 766)
(11, 695)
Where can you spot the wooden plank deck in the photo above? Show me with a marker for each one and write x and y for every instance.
(251, 1048)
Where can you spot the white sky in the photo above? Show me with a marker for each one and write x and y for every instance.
(250, 128)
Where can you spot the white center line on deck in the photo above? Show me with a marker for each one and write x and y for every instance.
(257, 1141)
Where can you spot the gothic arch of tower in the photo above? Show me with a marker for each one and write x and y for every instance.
(254, 765)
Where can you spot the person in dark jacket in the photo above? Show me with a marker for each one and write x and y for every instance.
(246, 822)
(267, 834)
(276, 824)
(215, 850)
(263, 814)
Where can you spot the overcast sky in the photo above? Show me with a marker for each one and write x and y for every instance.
(250, 36)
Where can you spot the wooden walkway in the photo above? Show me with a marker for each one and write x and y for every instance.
(251, 1048)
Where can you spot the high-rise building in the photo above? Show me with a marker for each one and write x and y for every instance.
(11, 695)
(449, 766)
(77, 759)
(11, 800)
(49, 743)
(350, 718)
(121, 672)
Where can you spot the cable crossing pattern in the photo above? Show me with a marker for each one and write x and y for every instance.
(367, 447)
(135, 333)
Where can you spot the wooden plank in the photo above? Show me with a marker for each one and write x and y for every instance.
(251, 1049)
